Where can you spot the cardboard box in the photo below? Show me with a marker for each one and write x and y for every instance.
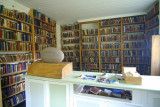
(130, 79)
(52, 70)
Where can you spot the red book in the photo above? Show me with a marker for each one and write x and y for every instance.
(0, 33)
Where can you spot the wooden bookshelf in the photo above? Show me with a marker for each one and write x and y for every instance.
(18, 103)
(69, 38)
(13, 94)
(12, 84)
(13, 73)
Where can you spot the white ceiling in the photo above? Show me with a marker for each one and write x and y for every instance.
(69, 11)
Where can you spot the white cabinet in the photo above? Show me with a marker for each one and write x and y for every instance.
(46, 94)
(154, 99)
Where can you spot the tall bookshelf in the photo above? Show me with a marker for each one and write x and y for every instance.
(70, 44)
(15, 54)
(152, 28)
(89, 46)
(44, 32)
(110, 51)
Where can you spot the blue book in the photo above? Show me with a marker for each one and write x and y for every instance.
(14, 99)
(1, 8)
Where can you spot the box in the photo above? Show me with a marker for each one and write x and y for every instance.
(131, 79)
(52, 70)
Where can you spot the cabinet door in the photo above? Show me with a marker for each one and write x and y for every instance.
(115, 104)
(87, 102)
(154, 99)
(59, 95)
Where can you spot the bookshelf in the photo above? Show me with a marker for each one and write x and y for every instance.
(70, 44)
(134, 42)
(152, 28)
(15, 54)
(110, 51)
(44, 32)
(89, 46)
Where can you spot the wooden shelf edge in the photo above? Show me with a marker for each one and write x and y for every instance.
(12, 95)
(14, 73)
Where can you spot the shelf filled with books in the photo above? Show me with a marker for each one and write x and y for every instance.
(134, 42)
(44, 32)
(152, 28)
(70, 44)
(89, 46)
(16, 54)
(110, 45)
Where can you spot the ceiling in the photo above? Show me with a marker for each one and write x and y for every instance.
(70, 11)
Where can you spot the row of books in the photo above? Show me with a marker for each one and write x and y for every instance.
(72, 59)
(8, 80)
(89, 46)
(5, 34)
(90, 39)
(142, 69)
(70, 27)
(12, 46)
(89, 53)
(134, 19)
(15, 57)
(43, 25)
(14, 100)
(43, 32)
(14, 25)
(154, 31)
(111, 66)
(70, 47)
(75, 53)
(76, 65)
(134, 28)
(134, 52)
(133, 37)
(40, 47)
(153, 11)
(43, 40)
(89, 70)
(37, 55)
(70, 34)
(90, 59)
(90, 65)
(89, 32)
(135, 60)
(110, 53)
(68, 41)
(10, 68)
(134, 45)
(15, 14)
(111, 38)
(115, 21)
(43, 17)
(13, 89)
(110, 30)
(110, 45)
(111, 71)
(110, 59)
(152, 23)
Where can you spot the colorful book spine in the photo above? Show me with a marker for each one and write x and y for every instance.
(68, 41)
(134, 28)
(153, 11)
(10, 68)
(109, 53)
(135, 60)
(76, 53)
(37, 55)
(89, 70)
(15, 14)
(89, 32)
(110, 30)
(129, 37)
(134, 19)
(110, 38)
(90, 46)
(134, 53)
(70, 27)
(40, 47)
(73, 59)
(110, 59)
(15, 57)
(111, 66)
(90, 53)
(110, 46)
(90, 39)
(90, 59)
(134, 45)
(90, 65)
(116, 21)
(70, 47)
